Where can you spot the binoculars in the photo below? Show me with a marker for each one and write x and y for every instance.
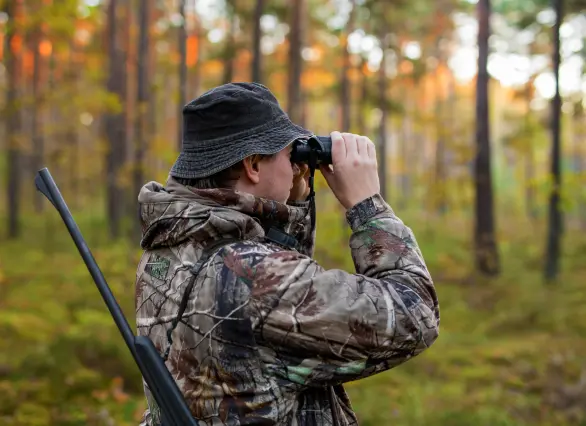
(320, 147)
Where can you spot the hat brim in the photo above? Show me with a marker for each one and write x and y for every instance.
(207, 162)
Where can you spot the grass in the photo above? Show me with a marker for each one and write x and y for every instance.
(510, 352)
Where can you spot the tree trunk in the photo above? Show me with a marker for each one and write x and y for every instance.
(71, 134)
(295, 62)
(142, 69)
(529, 190)
(38, 106)
(154, 115)
(440, 151)
(451, 120)
(230, 49)
(115, 124)
(182, 72)
(130, 91)
(555, 214)
(257, 53)
(382, 104)
(407, 136)
(579, 166)
(487, 259)
(13, 55)
(529, 160)
(361, 115)
(195, 75)
(344, 83)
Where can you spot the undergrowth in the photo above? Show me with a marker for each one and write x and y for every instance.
(510, 352)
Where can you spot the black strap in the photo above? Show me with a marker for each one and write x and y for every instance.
(208, 251)
(281, 238)
(312, 166)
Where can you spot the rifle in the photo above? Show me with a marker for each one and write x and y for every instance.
(174, 410)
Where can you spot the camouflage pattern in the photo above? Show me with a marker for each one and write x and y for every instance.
(269, 336)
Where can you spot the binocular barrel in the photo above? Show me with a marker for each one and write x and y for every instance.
(321, 146)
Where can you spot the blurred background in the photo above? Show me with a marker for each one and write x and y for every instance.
(482, 153)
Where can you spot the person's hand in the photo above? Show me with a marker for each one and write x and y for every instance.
(300, 189)
(354, 177)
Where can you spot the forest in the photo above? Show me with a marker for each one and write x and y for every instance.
(477, 109)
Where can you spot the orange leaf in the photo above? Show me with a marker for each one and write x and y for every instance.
(16, 44)
(45, 48)
(192, 50)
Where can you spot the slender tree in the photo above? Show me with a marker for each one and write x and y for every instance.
(230, 46)
(71, 137)
(529, 156)
(182, 42)
(382, 104)
(13, 57)
(143, 98)
(486, 251)
(115, 123)
(579, 136)
(554, 231)
(294, 98)
(440, 148)
(257, 53)
(37, 111)
(361, 110)
(195, 51)
(345, 100)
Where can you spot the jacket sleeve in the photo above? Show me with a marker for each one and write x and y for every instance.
(325, 327)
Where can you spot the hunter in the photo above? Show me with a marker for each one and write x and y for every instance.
(253, 329)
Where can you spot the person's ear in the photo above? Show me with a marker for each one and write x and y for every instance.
(251, 168)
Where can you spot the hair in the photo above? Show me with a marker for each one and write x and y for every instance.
(225, 179)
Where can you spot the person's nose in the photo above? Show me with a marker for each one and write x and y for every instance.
(296, 169)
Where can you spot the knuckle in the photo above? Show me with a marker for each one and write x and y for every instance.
(336, 136)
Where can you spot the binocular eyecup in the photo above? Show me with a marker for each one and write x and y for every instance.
(318, 146)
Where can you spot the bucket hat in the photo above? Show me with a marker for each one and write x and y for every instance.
(228, 123)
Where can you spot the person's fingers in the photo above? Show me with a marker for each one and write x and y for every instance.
(371, 150)
(361, 143)
(327, 173)
(338, 147)
(326, 169)
(304, 170)
(351, 145)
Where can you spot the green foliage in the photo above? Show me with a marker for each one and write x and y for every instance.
(62, 360)
(508, 353)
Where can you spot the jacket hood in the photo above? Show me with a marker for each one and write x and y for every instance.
(174, 213)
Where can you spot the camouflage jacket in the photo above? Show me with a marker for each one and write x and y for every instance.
(269, 336)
